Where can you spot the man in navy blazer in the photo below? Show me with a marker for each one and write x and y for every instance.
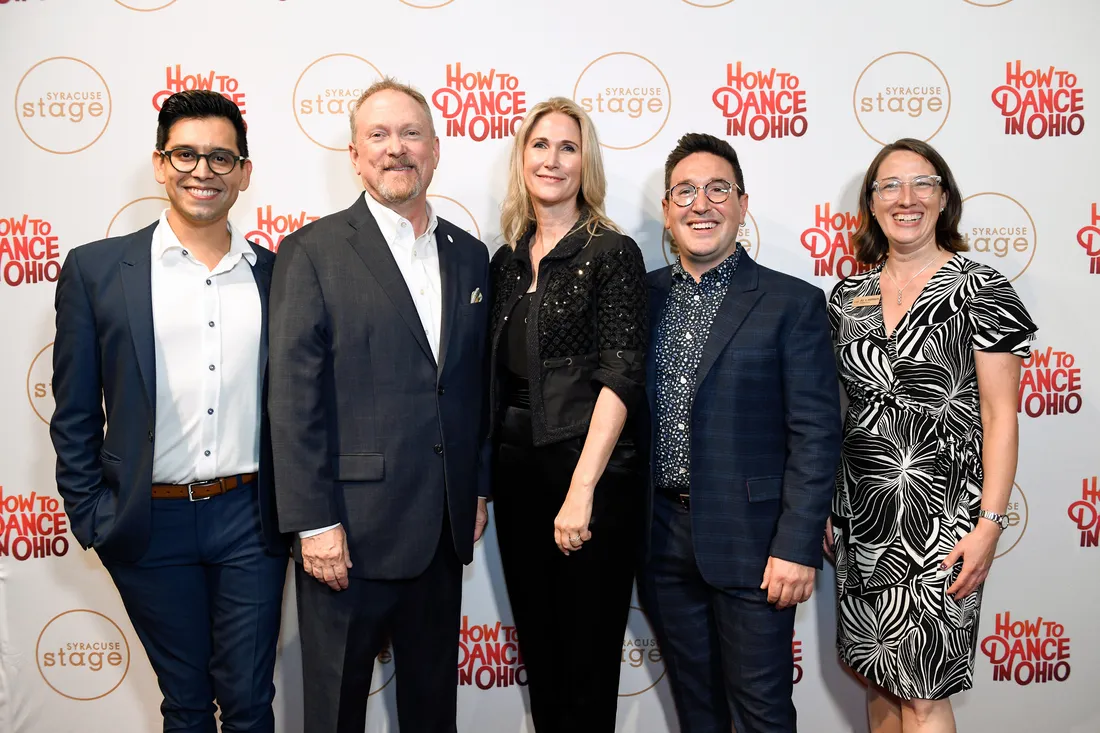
(746, 438)
(165, 328)
(378, 405)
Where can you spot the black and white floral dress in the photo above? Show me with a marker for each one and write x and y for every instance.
(910, 480)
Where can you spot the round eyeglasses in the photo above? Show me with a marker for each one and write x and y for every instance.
(922, 187)
(220, 162)
(683, 194)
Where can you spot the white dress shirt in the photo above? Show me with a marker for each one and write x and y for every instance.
(418, 260)
(206, 328)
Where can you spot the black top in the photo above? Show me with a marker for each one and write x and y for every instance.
(514, 353)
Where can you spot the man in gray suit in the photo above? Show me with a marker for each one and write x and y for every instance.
(378, 331)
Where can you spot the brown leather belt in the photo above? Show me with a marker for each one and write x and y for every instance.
(199, 490)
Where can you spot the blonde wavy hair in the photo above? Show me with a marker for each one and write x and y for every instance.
(517, 212)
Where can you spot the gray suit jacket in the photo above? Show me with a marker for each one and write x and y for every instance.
(367, 429)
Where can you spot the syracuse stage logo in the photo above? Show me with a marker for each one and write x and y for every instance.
(82, 655)
(1040, 102)
(323, 96)
(643, 666)
(40, 384)
(32, 526)
(1017, 521)
(29, 251)
(1088, 237)
(1084, 515)
(1000, 232)
(829, 242)
(136, 215)
(145, 6)
(1026, 651)
(177, 81)
(62, 105)
(480, 105)
(271, 228)
(1050, 384)
(488, 656)
(901, 94)
(761, 104)
(627, 96)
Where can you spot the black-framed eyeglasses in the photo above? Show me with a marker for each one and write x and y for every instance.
(220, 162)
(683, 194)
(922, 187)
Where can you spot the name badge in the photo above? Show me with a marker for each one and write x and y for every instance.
(865, 300)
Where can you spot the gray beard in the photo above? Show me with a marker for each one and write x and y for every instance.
(393, 197)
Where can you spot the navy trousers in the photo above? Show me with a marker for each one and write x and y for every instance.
(727, 650)
(205, 600)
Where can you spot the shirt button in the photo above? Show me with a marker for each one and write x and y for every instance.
(688, 335)
(206, 453)
(683, 470)
(211, 367)
(207, 282)
(683, 380)
(438, 449)
(680, 426)
(210, 411)
(186, 254)
(211, 324)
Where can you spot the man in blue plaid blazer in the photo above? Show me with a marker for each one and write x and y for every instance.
(746, 435)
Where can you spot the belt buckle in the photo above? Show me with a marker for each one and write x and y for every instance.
(191, 489)
(684, 500)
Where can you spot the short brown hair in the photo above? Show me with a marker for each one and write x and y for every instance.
(388, 83)
(869, 241)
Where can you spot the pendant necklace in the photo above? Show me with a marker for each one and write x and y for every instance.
(903, 287)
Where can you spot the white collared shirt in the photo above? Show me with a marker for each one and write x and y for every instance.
(206, 328)
(418, 260)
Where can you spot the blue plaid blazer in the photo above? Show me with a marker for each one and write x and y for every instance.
(765, 425)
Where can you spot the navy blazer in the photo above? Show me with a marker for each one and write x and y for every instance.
(369, 429)
(765, 424)
(104, 357)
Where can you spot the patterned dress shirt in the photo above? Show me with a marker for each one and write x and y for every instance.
(685, 326)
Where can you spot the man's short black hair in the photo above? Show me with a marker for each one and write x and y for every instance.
(700, 142)
(199, 104)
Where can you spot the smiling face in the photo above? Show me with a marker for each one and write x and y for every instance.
(202, 197)
(394, 152)
(909, 223)
(552, 161)
(705, 232)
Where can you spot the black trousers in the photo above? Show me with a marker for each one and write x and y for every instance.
(727, 650)
(343, 631)
(570, 611)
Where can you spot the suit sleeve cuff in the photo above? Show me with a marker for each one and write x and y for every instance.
(311, 532)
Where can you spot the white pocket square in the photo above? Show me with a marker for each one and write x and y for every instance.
(475, 297)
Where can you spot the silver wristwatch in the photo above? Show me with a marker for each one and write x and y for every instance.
(999, 519)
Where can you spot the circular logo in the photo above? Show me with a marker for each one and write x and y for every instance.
(1000, 232)
(147, 6)
(627, 97)
(901, 94)
(1017, 521)
(384, 670)
(427, 6)
(40, 383)
(456, 213)
(988, 3)
(324, 93)
(642, 663)
(62, 105)
(82, 655)
(137, 214)
(748, 235)
(705, 4)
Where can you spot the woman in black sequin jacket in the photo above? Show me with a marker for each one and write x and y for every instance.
(569, 332)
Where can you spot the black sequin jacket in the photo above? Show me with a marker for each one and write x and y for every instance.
(587, 327)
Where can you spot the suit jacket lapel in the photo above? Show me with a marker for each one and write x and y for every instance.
(135, 271)
(261, 273)
(370, 245)
(740, 298)
(449, 270)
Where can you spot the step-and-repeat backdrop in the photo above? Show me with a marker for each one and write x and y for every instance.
(806, 91)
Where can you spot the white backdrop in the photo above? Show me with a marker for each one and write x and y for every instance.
(1002, 88)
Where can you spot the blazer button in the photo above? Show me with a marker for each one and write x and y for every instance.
(440, 391)
(150, 436)
(438, 449)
